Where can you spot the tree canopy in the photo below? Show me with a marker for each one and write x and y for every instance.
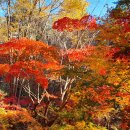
(63, 69)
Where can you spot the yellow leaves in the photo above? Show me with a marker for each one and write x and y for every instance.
(91, 126)
(80, 125)
(74, 9)
(68, 127)
(119, 74)
(24, 14)
(11, 117)
(102, 112)
(3, 31)
(74, 39)
(129, 84)
(99, 65)
(73, 102)
(123, 96)
(123, 101)
(59, 127)
(114, 80)
(75, 99)
(22, 8)
(2, 112)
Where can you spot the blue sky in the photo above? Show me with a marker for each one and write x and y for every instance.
(99, 7)
(96, 7)
(1, 12)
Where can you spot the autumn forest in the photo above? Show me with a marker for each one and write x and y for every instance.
(62, 68)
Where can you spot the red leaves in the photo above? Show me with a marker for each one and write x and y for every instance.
(102, 71)
(79, 54)
(16, 70)
(28, 70)
(23, 49)
(28, 60)
(31, 69)
(101, 94)
(68, 24)
(10, 100)
(88, 22)
(112, 51)
(12, 107)
(42, 81)
(63, 24)
(4, 68)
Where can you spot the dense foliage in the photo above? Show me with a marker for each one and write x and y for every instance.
(80, 83)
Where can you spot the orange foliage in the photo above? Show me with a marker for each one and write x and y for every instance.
(102, 71)
(27, 62)
(24, 49)
(4, 68)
